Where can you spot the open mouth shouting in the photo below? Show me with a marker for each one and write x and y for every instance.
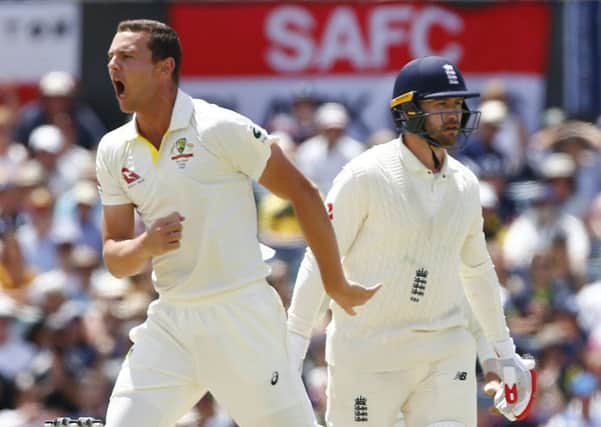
(119, 87)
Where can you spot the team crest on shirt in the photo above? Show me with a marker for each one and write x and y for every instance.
(181, 152)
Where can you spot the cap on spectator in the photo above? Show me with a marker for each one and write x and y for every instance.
(83, 256)
(40, 198)
(331, 115)
(558, 165)
(85, 193)
(29, 174)
(381, 136)
(488, 197)
(8, 308)
(47, 138)
(105, 285)
(87, 169)
(64, 232)
(51, 282)
(57, 83)
(67, 312)
(283, 123)
(493, 112)
(133, 305)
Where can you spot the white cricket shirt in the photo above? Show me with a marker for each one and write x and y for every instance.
(420, 235)
(203, 170)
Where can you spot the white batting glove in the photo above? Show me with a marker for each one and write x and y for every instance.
(515, 397)
(297, 350)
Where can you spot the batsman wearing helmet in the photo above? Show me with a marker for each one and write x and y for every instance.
(408, 215)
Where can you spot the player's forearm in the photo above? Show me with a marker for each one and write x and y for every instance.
(320, 236)
(482, 290)
(307, 297)
(125, 257)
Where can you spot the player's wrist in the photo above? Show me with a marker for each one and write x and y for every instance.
(504, 349)
(144, 246)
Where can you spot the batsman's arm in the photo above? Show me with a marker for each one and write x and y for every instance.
(481, 283)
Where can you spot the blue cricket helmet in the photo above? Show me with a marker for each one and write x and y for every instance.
(429, 77)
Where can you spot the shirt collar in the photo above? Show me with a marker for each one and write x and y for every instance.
(180, 116)
(416, 166)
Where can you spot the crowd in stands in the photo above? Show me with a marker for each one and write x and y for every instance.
(64, 320)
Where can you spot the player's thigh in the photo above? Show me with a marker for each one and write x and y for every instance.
(156, 359)
(447, 395)
(248, 369)
(158, 407)
(157, 383)
(280, 400)
(365, 399)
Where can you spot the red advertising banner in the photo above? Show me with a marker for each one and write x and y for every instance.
(312, 39)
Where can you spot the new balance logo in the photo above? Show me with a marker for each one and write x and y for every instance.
(129, 176)
(361, 409)
(460, 376)
(419, 284)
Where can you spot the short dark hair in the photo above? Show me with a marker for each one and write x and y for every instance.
(164, 41)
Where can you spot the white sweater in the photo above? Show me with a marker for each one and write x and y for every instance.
(420, 235)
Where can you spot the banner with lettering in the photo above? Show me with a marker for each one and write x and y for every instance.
(37, 37)
(254, 56)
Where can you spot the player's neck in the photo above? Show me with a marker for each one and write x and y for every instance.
(424, 152)
(153, 120)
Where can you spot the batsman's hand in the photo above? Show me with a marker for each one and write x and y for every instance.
(164, 234)
(492, 384)
(517, 391)
(351, 294)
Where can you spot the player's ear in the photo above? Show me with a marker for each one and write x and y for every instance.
(167, 66)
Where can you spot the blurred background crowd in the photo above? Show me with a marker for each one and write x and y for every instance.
(64, 320)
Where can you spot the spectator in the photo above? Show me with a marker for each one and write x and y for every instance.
(512, 137)
(34, 236)
(593, 222)
(47, 145)
(584, 409)
(58, 93)
(321, 158)
(536, 228)
(481, 153)
(581, 141)
(11, 154)
(304, 105)
(15, 353)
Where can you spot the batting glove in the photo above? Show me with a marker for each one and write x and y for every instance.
(515, 397)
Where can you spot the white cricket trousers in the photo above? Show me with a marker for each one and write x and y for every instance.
(232, 345)
(440, 390)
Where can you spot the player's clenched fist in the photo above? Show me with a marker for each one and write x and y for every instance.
(164, 234)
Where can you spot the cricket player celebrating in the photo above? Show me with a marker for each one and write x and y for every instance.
(186, 167)
(408, 215)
